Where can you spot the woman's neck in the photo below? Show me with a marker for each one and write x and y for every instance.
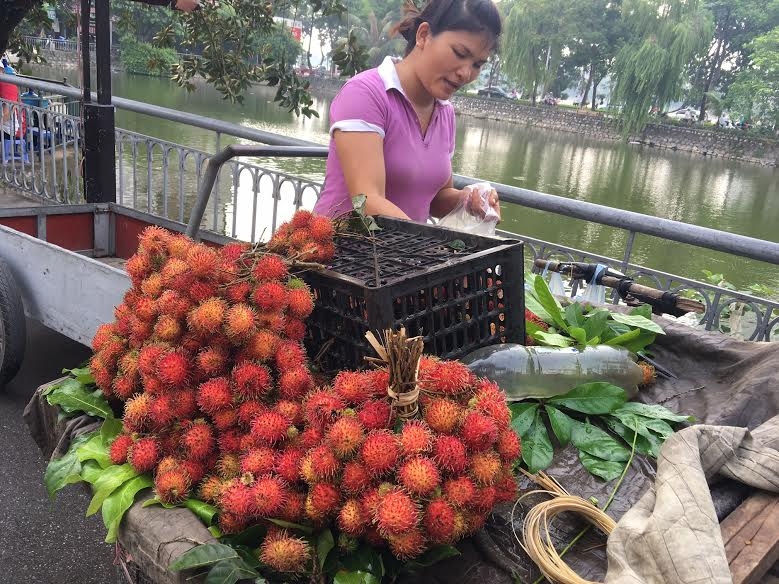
(412, 86)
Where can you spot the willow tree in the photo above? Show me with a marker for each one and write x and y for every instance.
(662, 38)
(535, 32)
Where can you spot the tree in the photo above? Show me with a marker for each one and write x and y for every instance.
(736, 23)
(662, 36)
(535, 33)
(755, 93)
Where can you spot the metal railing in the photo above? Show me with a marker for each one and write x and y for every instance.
(251, 200)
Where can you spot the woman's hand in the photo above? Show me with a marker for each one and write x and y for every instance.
(479, 205)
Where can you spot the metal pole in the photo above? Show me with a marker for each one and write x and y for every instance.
(99, 124)
(86, 85)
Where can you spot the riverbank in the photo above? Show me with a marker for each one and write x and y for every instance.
(733, 145)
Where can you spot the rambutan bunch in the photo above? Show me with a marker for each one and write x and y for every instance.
(307, 238)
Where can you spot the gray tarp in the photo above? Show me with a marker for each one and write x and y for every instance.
(721, 381)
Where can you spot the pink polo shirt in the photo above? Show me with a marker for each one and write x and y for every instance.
(416, 166)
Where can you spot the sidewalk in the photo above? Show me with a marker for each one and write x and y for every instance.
(43, 542)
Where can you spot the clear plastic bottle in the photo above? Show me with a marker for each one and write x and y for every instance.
(543, 372)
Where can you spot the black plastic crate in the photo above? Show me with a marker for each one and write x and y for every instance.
(459, 291)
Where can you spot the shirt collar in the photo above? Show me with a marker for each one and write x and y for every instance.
(389, 76)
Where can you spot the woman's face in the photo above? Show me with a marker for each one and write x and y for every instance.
(450, 59)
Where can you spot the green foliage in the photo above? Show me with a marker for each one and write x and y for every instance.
(755, 93)
(597, 420)
(581, 325)
(146, 59)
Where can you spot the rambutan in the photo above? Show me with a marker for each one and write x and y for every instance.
(230, 523)
(294, 508)
(270, 492)
(319, 464)
(295, 383)
(440, 521)
(648, 373)
(136, 412)
(275, 322)
(478, 431)
(295, 329)
(153, 240)
(202, 260)
(194, 469)
(301, 303)
(378, 382)
(258, 461)
(485, 500)
(229, 441)
(449, 452)
(460, 491)
(353, 386)
(172, 486)
(124, 387)
(442, 415)
(173, 304)
(145, 308)
(237, 499)
(225, 420)
(102, 375)
(370, 501)
(396, 513)
(173, 368)
(270, 296)
(200, 290)
(352, 518)
(285, 553)
(198, 440)
(380, 452)
(407, 545)
(233, 251)
(207, 316)
(290, 355)
(485, 467)
(415, 438)
(447, 377)
(167, 463)
(214, 395)
(144, 454)
(184, 404)
(178, 245)
(212, 361)
(251, 380)
(138, 267)
(238, 291)
(269, 427)
(140, 331)
(239, 322)
(173, 271)
(228, 466)
(152, 286)
(345, 436)
(211, 489)
(419, 475)
(322, 501)
(248, 410)
(376, 415)
(321, 228)
(301, 219)
(291, 410)
(288, 464)
(167, 328)
(262, 346)
(509, 446)
(161, 410)
(269, 267)
(119, 448)
(310, 437)
(322, 406)
(506, 488)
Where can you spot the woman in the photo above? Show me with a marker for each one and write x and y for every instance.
(392, 129)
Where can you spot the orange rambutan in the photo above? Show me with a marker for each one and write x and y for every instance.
(211, 489)
(173, 368)
(174, 272)
(119, 448)
(212, 360)
(449, 452)
(225, 420)
(240, 322)
(178, 245)
(478, 431)
(214, 395)
(251, 380)
(345, 436)
(355, 478)
(442, 415)
(230, 523)
(321, 228)
(378, 382)
(202, 260)
(140, 331)
(258, 461)
(440, 522)
(172, 486)
(301, 219)
(153, 285)
(173, 304)
(288, 464)
(407, 545)
(291, 410)
(485, 467)
(448, 378)
(275, 322)
(460, 491)
(138, 267)
(262, 346)
(419, 475)
(509, 446)
(136, 412)
(270, 296)
(198, 441)
(237, 499)
(270, 493)
(124, 387)
(269, 427)
(238, 291)
(380, 451)
(376, 414)
(396, 513)
(128, 363)
(228, 466)
(295, 329)
(145, 308)
(352, 386)
(322, 501)
(207, 316)
(284, 553)
(270, 267)
(352, 518)
(322, 406)
(295, 383)
(144, 454)
(167, 328)
(415, 438)
(319, 464)
(148, 357)
(300, 303)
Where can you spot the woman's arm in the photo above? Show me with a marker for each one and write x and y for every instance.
(361, 155)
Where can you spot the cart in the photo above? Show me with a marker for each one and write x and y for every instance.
(63, 265)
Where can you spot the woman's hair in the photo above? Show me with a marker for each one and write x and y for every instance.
(480, 16)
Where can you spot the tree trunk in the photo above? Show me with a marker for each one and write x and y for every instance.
(533, 91)
(594, 91)
(586, 91)
(717, 59)
(12, 12)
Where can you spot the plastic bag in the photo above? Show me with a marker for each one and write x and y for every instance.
(461, 218)
(595, 293)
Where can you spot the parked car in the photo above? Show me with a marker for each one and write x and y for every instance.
(494, 92)
(687, 114)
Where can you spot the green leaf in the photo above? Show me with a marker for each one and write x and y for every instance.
(531, 302)
(68, 381)
(74, 397)
(109, 481)
(364, 559)
(608, 470)
(596, 323)
(537, 449)
(640, 343)
(578, 334)
(655, 411)
(552, 339)
(95, 449)
(433, 556)
(203, 555)
(644, 445)
(644, 310)
(110, 429)
(561, 424)
(596, 442)
(83, 375)
(202, 510)
(230, 571)
(117, 504)
(638, 321)
(574, 315)
(251, 536)
(522, 416)
(456, 244)
(294, 526)
(344, 577)
(324, 545)
(65, 470)
(623, 338)
(91, 471)
(597, 397)
(549, 302)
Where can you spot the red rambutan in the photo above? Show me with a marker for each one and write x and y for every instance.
(269, 267)
(380, 452)
(237, 499)
(442, 415)
(485, 467)
(288, 464)
(396, 513)
(291, 410)
(230, 523)
(200, 290)
(258, 461)
(449, 453)
(345, 436)
(440, 522)
(173, 304)
(321, 228)
(295, 383)
(119, 448)
(161, 410)
(419, 476)
(295, 329)
(262, 346)
(270, 492)
(460, 491)
(198, 440)
(144, 454)
(269, 427)
(251, 380)
(212, 361)
(138, 267)
(173, 368)
(355, 478)
(376, 415)
(270, 296)
(290, 355)
(319, 464)
(202, 260)
(353, 386)
(447, 377)
(301, 219)
(322, 406)
(478, 431)
(509, 446)
(214, 395)
(124, 387)
(172, 486)
(294, 508)
(407, 545)
(136, 412)
(301, 303)
(322, 501)
(415, 438)
(248, 410)
(238, 291)
(145, 309)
